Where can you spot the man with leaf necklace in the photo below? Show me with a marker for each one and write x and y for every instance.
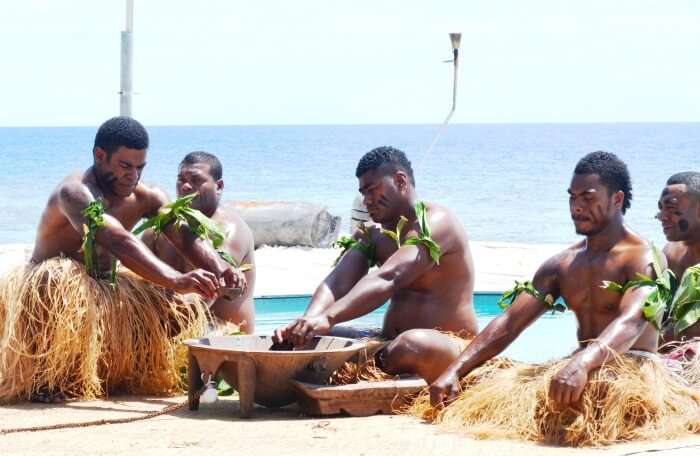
(679, 214)
(202, 172)
(599, 194)
(424, 269)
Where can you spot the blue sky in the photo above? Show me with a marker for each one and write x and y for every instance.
(351, 62)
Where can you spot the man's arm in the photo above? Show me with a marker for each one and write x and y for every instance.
(402, 268)
(241, 246)
(75, 197)
(499, 333)
(619, 336)
(197, 251)
(349, 270)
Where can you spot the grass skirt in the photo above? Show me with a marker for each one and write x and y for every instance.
(630, 398)
(684, 358)
(61, 330)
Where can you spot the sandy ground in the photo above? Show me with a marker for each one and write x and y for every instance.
(216, 429)
(297, 270)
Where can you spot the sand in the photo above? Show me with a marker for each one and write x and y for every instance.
(216, 429)
(298, 270)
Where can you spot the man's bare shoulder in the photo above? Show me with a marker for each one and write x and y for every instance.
(150, 194)
(79, 186)
(236, 229)
(443, 221)
(563, 258)
(675, 251)
(635, 255)
(150, 198)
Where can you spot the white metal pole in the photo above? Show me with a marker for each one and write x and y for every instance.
(127, 60)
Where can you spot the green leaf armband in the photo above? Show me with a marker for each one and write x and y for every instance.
(365, 246)
(509, 297)
(661, 296)
(94, 220)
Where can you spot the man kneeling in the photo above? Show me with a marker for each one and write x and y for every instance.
(424, 268)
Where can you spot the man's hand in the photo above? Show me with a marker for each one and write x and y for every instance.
(567, 385)
(301, 331)
(234, 278)
(445, 388)
(197, 281)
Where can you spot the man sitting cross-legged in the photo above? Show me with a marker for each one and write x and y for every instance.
(426, 273)
(614, 387)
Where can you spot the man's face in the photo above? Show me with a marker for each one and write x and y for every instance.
(382, 192)
(196, 178)
(590, 204)
(679, 213)
(120, 173)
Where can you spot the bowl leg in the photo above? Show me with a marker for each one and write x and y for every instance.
(194, 383)
(246, 376)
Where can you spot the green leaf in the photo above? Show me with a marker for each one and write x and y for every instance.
(612, 286)
(223, 388)
(421, 216)
(511, 295)
(685, 307)
(653, 308)
(94, 218)
(364, 246)
(656, 261)
(391, 234)
(433, 249)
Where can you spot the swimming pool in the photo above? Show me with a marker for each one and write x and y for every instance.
(549, 337)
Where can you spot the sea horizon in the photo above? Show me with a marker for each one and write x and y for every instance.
(505, 181)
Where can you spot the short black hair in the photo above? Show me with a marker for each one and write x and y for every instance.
(121, 131)
(200, 156)
(691, 179)
(382, 155)
(612, 172)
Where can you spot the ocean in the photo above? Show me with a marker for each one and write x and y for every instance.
(506, 182)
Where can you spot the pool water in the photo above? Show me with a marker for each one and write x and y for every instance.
(552, 336)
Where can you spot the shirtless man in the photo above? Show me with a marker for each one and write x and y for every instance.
(679, 213)
(201, 172)
(423, 294)
(119, 158)
(599, 194)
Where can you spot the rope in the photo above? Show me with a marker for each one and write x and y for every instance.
(82, 424)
